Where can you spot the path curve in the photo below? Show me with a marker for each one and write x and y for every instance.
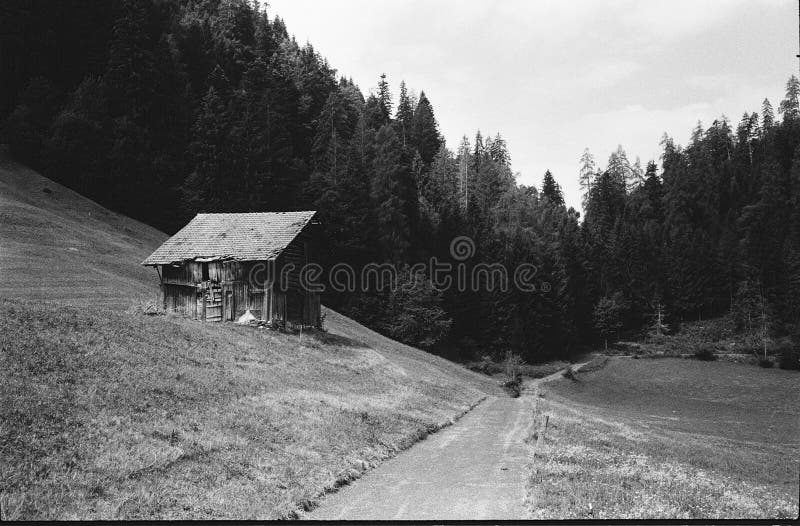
(474, 469)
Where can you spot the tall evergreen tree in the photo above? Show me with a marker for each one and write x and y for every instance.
(426, 137)
(767, 115)
(619, 167)
(499, 151)
(586, 174)
(384, 100)
(405, 114)
(551, 189)
(790, 105)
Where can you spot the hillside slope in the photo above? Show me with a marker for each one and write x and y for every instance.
(56, 244)
(109, 414)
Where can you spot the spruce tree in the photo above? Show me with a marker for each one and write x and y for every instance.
(405, 114)
(498, 151)
(767, 115)
(551, 189)
(478, 153)
(619, 168)
(384, 100)
(586, 174)
(790, 105)
(655, 193)
(426, 137)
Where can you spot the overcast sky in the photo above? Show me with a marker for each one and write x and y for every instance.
(554, 77)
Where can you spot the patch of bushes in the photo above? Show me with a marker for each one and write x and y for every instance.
(513, 386)
(705, 354)
(766, 363)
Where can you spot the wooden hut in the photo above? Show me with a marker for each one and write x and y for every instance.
(221, 265)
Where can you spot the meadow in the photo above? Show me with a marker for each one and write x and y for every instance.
(668, 438)
(111, 415)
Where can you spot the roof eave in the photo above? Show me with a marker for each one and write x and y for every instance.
(199, 259)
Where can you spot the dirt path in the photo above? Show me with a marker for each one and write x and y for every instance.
(474, 469)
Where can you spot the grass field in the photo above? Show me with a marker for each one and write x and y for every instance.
(107, 413)
(668, 438)
(56, 244)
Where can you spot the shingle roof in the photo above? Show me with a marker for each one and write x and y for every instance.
(243, 237)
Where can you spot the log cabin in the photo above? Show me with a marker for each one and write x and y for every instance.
(219, 266)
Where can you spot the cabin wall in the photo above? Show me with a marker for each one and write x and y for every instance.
(297, 305)
(180, 299)
(227, 289)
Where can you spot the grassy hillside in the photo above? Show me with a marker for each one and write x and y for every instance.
(56, 244)
(668, 438)
(109, 414)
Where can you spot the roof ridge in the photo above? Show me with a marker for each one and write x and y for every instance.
(258, 213)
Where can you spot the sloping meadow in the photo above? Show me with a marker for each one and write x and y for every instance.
(120, 416)
(670, 438)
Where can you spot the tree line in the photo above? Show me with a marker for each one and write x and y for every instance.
(174, 108)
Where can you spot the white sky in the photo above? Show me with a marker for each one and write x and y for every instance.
(554, 77)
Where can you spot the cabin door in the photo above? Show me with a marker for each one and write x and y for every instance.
(229, 310)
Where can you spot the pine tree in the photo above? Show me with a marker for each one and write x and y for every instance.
(637, 174)
(426, 137)
(464, 178)
(655, 193)
(384, 100)
(608, 314)
(478, 153)
(767, 115)
(620, 168)
(790, 105)
(659, 327)
(586, 174)
(747, 132)
(551, 189)
(405, 114)
(498, 151)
